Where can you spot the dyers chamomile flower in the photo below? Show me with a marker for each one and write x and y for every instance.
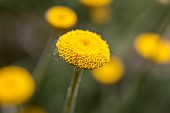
(83, 49)
(100, 15)
(99, 10)
(16, 85)
(95, 3)
(61, 17)
(110, 73)
(153, 47)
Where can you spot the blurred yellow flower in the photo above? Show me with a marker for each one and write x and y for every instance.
(95, 3)
(32, 109)
(83, 49)
(16, 85)
(100, 15)
(145, 43)
(61, 17)
(161, 54)
(151, 46)
(110, 73)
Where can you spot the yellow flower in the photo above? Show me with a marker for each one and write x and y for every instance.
(161, 54)
(110, 73)
(32, 109)
(61, 17)
(145, 43)
(95, 3)
(83, 49)
(151, 46)
(16, 85)
(100, 15)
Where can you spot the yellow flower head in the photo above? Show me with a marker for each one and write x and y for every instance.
(110, 73)
(145, 43)
(151, 46)
(95, 3)
(61, 17)
(161, 54)
(32, 109)
(16, 85)
(83, 49)
(100, 15)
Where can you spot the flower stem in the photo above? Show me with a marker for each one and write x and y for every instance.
(44, 60)
(43, 63)
(72, 92)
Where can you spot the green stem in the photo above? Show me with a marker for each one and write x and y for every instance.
(43, 63)
(44, 60)
(72, 92)
(45, 57)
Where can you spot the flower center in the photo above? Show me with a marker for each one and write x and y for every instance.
(85, 42)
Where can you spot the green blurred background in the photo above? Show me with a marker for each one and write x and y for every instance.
(24, 33)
